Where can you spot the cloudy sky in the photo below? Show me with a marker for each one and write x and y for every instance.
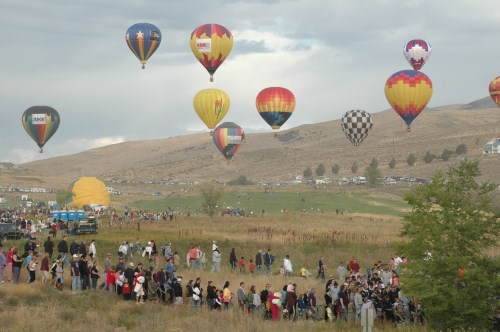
(335, 55)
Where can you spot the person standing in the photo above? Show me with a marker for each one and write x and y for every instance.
(233, 261)
(226, 295)
(3, 264)
(92, 250)
(44, 268)
(84, 273)
(216, 258)
(321, 268)
(10, 275)
(287, 265)
(242, 296)
(341, 271)
(62, 249)
(33, 264)
(268, 260)
(75, 274)
(258, 261)
(17, 263)
(94, 274)
(48, 246)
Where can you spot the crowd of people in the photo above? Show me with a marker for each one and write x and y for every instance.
(344, 296)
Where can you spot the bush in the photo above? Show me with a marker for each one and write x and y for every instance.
(240, 181)
(335, 169)
(411, 159)
(446, 154)
(429, 157)
(461, 149)
(320, 170)
(392, 163)
(374, 163)
(308, 173)
(354, 167)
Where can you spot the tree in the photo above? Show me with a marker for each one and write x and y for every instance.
(372, 175)
(240, 181)
(211, 195)
(392, 163)
(374, 163)
(354, 167)
(335, 169)
(447, 236)
(63, 197)
(446, 154)
(320, 170)
(461, 149)
(308, 173)
(429, 157)
(411, 159)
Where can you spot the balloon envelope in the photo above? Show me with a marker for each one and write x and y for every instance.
(417, 52)
(227, 138)
(495, 90)
(211, 105)
(41, 122)
(143, 40)
(211, 45)
(356, 125)
(87, 191)
(408, 92)
(275, 105)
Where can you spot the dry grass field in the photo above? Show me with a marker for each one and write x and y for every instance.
(305, 239)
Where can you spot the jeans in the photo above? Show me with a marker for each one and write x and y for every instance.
(85, 281)
(215, 266)
(17, 272)
(94, 283)
(75, 283)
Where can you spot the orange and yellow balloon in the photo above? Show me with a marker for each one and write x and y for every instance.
(211, 45)
(211, 105)
(495, 90)
(275, 106)
(408, 92)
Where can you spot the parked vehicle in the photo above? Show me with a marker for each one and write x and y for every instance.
(10, 231)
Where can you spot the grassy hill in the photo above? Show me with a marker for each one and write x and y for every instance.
(264, 158)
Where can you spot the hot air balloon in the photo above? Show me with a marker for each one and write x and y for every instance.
(417, 52)
(211, 45)
(143, 39)
(356, 124)
(495, 90)
(211, 105)
(227, 138)
(408, 92)
(41, 122)
(87, 191)
(275, 106)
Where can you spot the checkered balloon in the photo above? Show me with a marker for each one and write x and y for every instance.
(356, 124)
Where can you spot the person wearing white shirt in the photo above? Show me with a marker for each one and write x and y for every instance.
(92, 249)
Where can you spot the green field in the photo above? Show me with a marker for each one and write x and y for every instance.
(274, 202)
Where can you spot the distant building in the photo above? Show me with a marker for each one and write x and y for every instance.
(492, 146)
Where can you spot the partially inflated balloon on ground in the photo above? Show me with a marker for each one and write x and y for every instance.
(87, 191)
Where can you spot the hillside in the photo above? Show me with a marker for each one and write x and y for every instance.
(263, 158)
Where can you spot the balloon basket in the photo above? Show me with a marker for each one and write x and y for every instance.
(143, 66)
(211, 78)
(41, 150)
(211, 133)
(275, 135)
(408, 129)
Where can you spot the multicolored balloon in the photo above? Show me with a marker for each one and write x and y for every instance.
(211, 45)
(275, 106)
(228, 138)
(143, 40)
(211, 105)
(408, 92)
(495, 90)
(41, 122)
(417, 52)
(356, 125)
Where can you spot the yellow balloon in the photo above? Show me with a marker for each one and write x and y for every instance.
(211, 105)
(88, 190)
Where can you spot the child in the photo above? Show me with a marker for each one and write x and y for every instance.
(303, 272)
(242, 265)
(251, 266)
(329, 312)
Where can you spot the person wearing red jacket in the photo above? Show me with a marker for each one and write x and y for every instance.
(354, 265)
(110, 278)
